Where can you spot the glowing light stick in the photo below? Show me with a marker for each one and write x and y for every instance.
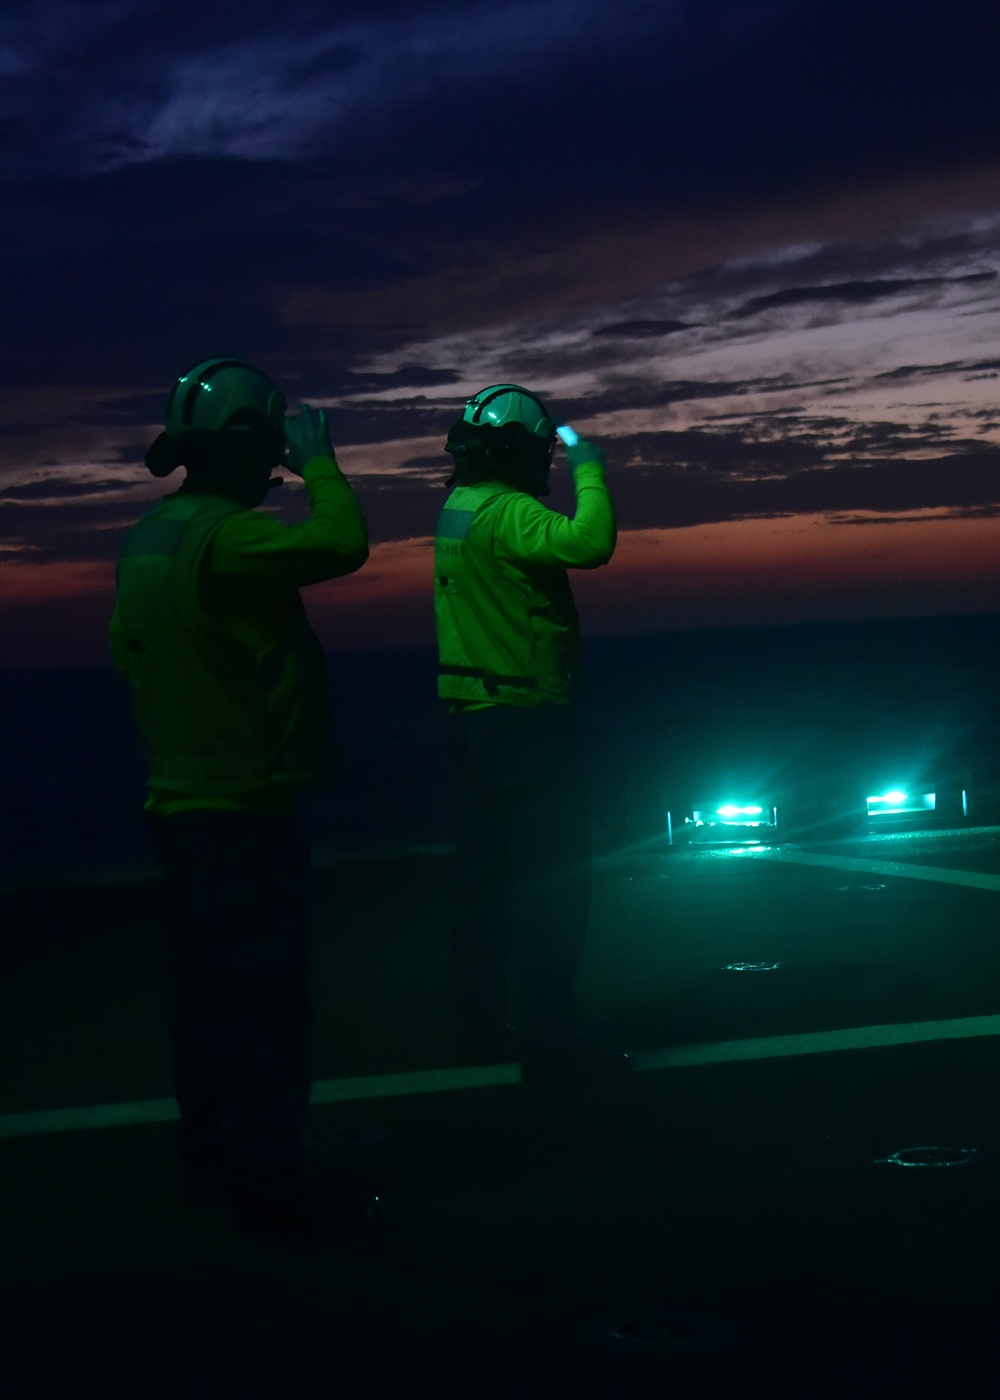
(569, 437)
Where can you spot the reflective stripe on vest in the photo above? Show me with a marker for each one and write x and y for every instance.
(455, 524)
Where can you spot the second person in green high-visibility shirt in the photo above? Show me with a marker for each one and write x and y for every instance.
(508, 639)
(230, 694)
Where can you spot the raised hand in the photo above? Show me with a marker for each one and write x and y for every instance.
(308, 436)
(583, 451)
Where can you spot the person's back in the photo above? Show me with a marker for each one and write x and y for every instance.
(230, 696)
(507, 623)
(226, 675)
(508, 637)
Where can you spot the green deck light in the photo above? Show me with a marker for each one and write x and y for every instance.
(896, 803)
(725, 823)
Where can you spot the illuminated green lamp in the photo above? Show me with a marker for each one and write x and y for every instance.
(896, 802)
(726, 824)
(733, 814)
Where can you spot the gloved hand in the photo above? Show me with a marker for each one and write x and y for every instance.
(308, 436)
(584, 451)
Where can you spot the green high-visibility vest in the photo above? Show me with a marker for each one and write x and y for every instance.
(508, 631)
(216, 719)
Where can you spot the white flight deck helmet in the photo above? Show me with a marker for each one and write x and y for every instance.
(218, 394)
(504, 427)
(500, 404)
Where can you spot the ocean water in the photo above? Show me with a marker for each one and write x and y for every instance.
(807, 716)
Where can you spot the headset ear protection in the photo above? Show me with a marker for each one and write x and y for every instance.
(162, 457)
(512, 449)
(501, 445)
(169, 451)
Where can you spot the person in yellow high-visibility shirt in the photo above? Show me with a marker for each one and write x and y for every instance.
(230, 696)
(508, 638)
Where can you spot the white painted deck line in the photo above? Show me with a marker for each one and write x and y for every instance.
(104, 1115)
(418, 1081)
(431, 1081)
(371, 1086)
(817, 1042)
(973, 878)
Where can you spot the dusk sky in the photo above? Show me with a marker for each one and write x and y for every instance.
(752, 246)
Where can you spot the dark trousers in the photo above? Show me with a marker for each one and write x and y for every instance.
(523, 871)
(238, 886)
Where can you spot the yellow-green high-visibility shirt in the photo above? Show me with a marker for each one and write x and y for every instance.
(227, 676)
(507, 625)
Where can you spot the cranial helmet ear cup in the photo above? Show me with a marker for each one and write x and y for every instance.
(162, 458)
(462, 436)
(511, 441)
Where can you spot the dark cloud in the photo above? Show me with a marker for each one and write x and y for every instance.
(357, 423)
(637, 395)
(406, 377)
(50, 488)
(917, 371)
(442, 462)
(780, 447)
(641, 330)
(947, 367)
(82, 530)
(989, 512)
(843, 291)
(669, 491)
(852, 292)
